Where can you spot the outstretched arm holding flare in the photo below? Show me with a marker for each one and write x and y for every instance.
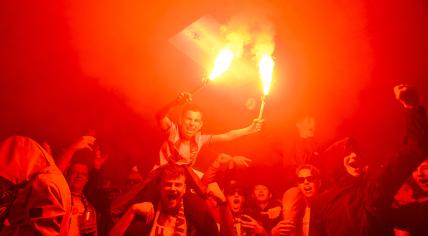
(190, 124)
(254, 127)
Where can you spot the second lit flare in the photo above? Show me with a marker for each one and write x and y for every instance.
(221, 64)
(266, 65)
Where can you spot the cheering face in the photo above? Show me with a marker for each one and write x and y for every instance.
(421, 175)
(235, 201)
(353, 165)
(307, 183)
(172, 191)
(78, 177)
(190, 123)
(261, 193)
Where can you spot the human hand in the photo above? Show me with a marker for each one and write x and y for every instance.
(87, 225)
(214, 191)
(406, 95)
(273, 213)
(284, 228)
(183, 97)
(145, 209)
(85, 141)
(239, 161)
(100, 158)
(226, 160)
(223, 159)
(250, 223)
(255, 126)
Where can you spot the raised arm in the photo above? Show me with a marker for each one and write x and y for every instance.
(390, 177)
(64, 159)
(254, 127)
(162, 115)
(221, 164)
(145, 209)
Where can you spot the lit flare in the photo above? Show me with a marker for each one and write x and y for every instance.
(266, 65)
(222, 63)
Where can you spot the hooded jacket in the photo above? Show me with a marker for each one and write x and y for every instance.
(42, 204)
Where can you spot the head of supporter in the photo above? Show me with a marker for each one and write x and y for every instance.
(112, 190)
(37, 195)
(77, 174)
(308, 181)
(420, 175)
(172, 188)
(133, 179)
(343, 161)
(306, 126)
(77, 177)
(22, 158)
(235, 197)
(261, 194)
(190, 122)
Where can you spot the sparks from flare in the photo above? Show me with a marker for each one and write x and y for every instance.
(266, 65)
(222, 63)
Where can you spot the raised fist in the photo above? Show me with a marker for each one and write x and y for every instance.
(406, 95)
(183, 98)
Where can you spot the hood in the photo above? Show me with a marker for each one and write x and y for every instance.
(21, 158)
(332, 160)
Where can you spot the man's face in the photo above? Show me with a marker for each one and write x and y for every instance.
(261, 193)
(306, 127)
(353, 165)
(78, 177)
(421, 175)
(190, 123)
(172, 191)
(307, 183)
(235, 201)
(133, 179)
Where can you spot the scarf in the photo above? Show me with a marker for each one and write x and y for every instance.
(176, 157)
(172, 226)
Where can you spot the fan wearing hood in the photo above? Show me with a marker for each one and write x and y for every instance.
(39, 202)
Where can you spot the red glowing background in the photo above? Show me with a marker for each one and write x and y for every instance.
(68, 66)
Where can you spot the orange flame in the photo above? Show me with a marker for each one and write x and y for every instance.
(266, 65)
(222, 63)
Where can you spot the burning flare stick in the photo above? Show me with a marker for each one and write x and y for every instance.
(266, 65)
(221, 64)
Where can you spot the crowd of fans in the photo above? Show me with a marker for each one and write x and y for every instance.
(330, 190)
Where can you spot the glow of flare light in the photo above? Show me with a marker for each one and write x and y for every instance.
(266, 65)
(222, 63)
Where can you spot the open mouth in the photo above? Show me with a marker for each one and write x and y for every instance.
(423, 181)
(172, 196)
(190, 129)
(307, 188)
(236, 201)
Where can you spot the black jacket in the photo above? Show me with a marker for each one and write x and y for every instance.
(362, 205)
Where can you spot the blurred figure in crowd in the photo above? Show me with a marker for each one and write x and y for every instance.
(35, 198)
